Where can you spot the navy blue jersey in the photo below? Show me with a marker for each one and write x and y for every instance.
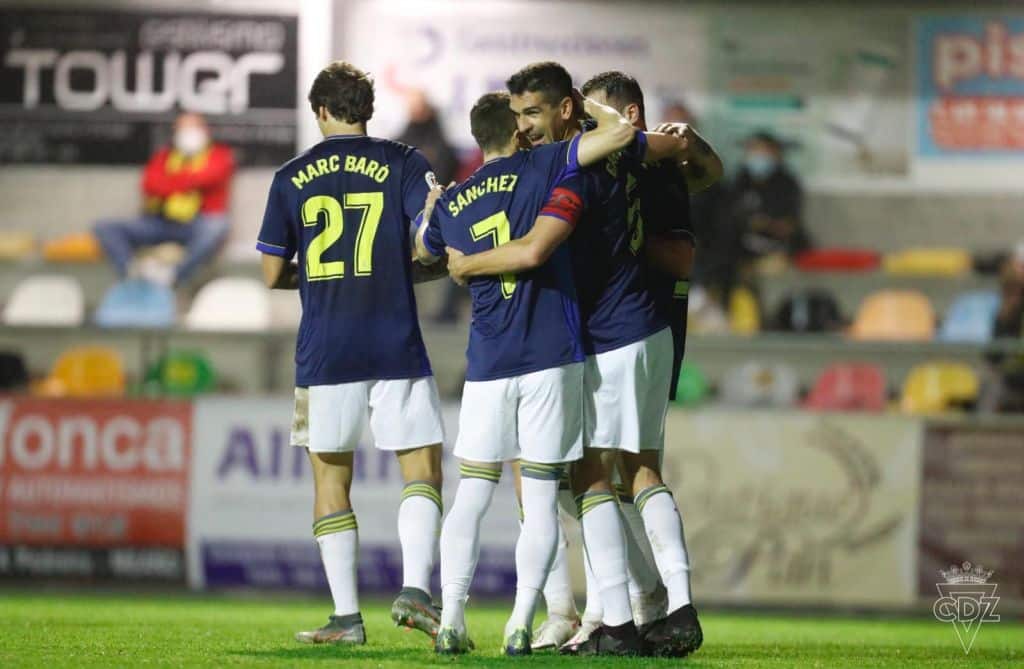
(345, 208)
(521, 322)
(665, 207)
(608, 255)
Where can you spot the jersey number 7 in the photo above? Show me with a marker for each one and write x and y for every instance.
(499, 229)
(371, 207)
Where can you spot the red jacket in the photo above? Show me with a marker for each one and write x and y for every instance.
(209, 175)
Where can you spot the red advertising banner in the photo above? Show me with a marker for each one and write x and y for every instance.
(94, 473)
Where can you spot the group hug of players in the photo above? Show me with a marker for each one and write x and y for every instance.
(573, 238)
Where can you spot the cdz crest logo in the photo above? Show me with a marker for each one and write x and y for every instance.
(967, 600)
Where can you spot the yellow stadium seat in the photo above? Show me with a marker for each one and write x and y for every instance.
(894, 315)
(935, 387)
(77, 247)
(15, 245)
(929, 262)
(744, 314)
(85, 371)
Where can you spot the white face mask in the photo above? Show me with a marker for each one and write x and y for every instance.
(191, 141)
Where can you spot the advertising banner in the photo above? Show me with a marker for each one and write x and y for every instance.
(93, 487)
(838, 97)
(972, 505)
(970, 80)
(456, 52)
(251, 514)
(797, 508)
(103, 86)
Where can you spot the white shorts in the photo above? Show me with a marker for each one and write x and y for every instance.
(403, 413)
(626, 395)
(536, 417)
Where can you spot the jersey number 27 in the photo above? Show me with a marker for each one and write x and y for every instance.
(371, 207)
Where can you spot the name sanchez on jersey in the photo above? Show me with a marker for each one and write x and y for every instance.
(502, 183)
(357, 164)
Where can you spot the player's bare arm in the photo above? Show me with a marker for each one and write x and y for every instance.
(279, 273)
(518, 255)
(702, 167)
(421, 253)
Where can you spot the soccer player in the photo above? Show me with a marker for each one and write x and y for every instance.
(524, 379)
(627, 341)
(664, 205)
(345, 207)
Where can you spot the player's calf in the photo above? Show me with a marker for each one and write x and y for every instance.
(419, 523)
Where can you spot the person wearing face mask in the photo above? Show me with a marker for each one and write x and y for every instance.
(766, 202)
(185, 189)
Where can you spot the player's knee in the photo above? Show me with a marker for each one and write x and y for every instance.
(590, 474)
(422, 464)
(644, 478)
(641, 470)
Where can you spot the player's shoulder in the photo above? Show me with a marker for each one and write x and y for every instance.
(392, 147)
(547, 153)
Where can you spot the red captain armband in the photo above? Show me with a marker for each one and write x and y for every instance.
(565, 204)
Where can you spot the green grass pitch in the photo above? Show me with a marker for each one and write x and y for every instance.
(55, 630)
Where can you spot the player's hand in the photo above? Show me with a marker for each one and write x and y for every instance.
(435, 192)
(456, 262)
(676, 129)
(577, 100)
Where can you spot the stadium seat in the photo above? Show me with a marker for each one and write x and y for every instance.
(929, 262)
(759, 384)
(812, 310)
(16, 245)
(46, 299)
(744, 313)
(136, 303)
(971, 318)
(13, 372)
(935, 387)
(894, 315)
(704, 314)
(180, 373)
(837, 260)
(848, 387)
(231, 304)
(77, 247)
(85, 371)
(692, 385)
(285, 309)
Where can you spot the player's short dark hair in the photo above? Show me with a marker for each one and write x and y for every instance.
(491, 121)
(620, 89)
(346, 92)
(548, 78)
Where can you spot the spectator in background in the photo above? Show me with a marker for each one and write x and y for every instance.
(715, 257)
(766, 202)
(425, 133)
(185, 188)
(1010, 319)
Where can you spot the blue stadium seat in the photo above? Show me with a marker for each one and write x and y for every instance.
(136, 304)
(971, 318)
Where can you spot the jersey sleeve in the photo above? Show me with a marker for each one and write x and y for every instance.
(566, 199)
(636, 149)
(277, 236)
(415, 184)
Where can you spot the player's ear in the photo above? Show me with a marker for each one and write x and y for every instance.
(632, 113)
(566, 108)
